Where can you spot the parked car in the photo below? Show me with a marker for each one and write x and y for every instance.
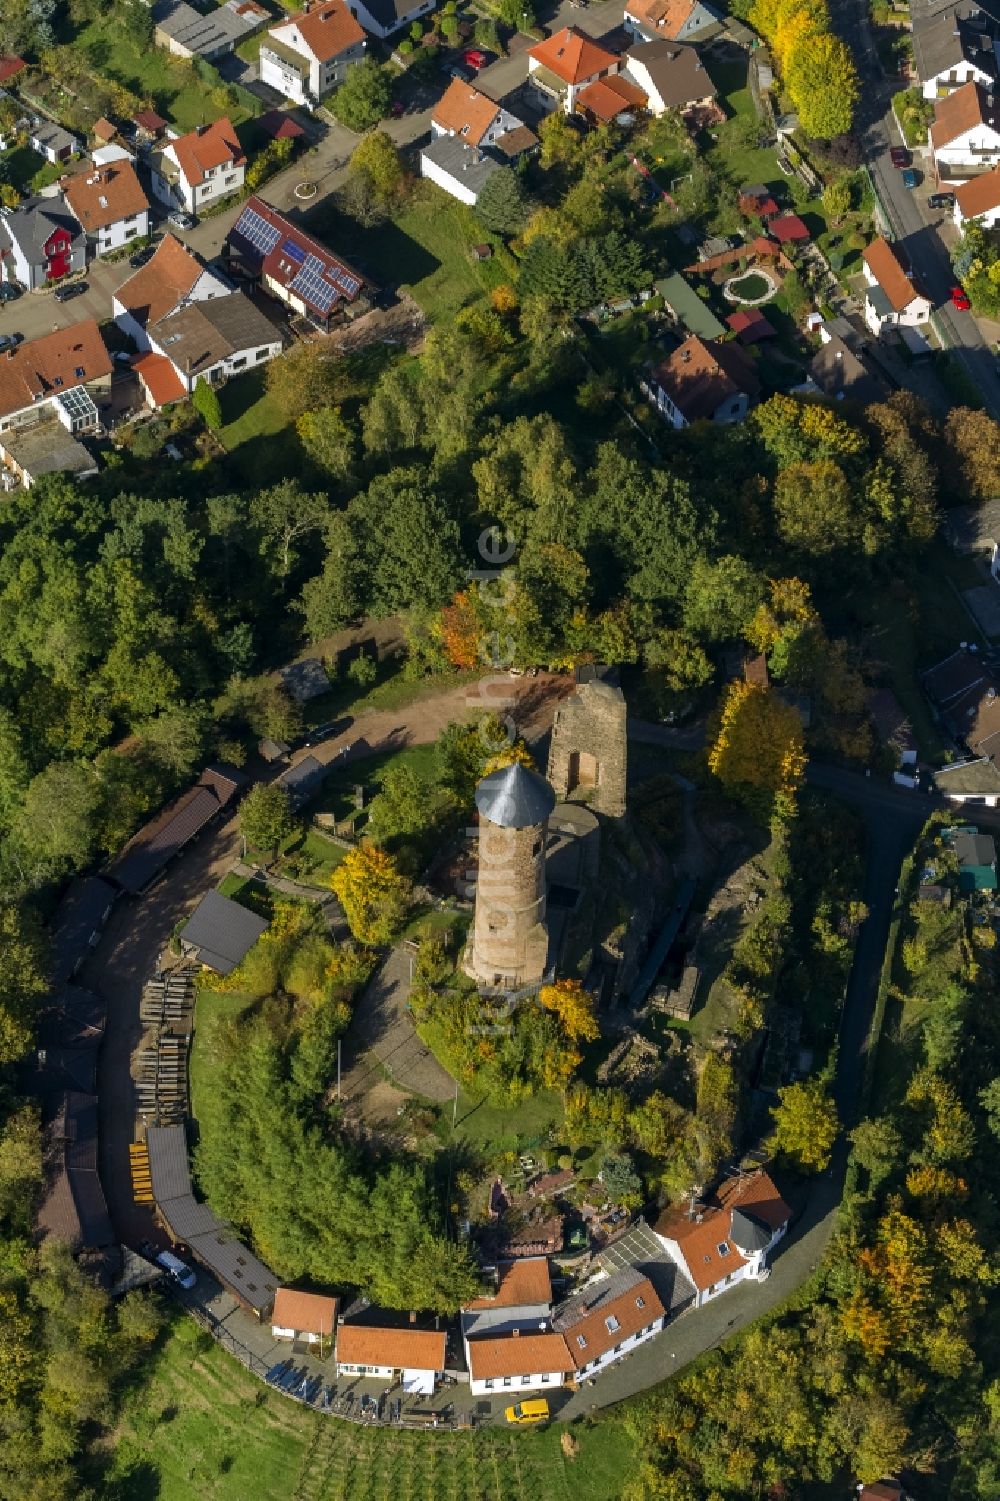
(910, 177)
(10, 291)
(534, 1411)
(178, 1270)
(75, 289)
(141, 256)
(941, 200)
(455, 70)
(9, 341)
(180, 220)
(960, 299)
(474, 58)
(121, 357)
(899, 156)
(326, 731)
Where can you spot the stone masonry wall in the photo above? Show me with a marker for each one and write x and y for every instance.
(588, 750)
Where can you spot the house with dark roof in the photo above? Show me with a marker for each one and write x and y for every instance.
(308, 54)
(976, 782)
(703, 381)
(186, 32)
(892, 724)
(199, 168)
(841, 374)
(461, 170)
(977, 859)
(73, 1206)
(304, 780)
(295, 268)
(51, 140)
(383, 18)
(210, 340)
(149, 852)
(729, 1237)
(677, 20)
(41, 241)
(975, 531)
(950, 50)
(78, 923)
(966, 697)
(220, 932)
(174, 275)
(671, 76)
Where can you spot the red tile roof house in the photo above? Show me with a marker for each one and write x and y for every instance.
(679, 20)
(894, 296)
(40, 242)
(173, 275)
(199, 168)
(307, 55)
(471, 115)
(110, 204)
(49, 393)
(979, 198)
(788, 229)
(705, 380)
(518, 1306)
(518, 1363)
(309, 1318)
(608, 1319)
(567, 63)
(416, 1356)
(294, 268)
(728, 1239)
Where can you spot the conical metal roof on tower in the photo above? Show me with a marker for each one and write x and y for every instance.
(514, 797)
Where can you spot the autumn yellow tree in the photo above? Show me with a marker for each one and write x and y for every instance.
(758, 753)
(373, 892)
(574, 1007)
(805, 1124)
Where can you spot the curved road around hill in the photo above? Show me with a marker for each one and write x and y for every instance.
(138, 931)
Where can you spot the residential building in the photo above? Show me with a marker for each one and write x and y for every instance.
(40, 242)
(977, 859)
(893, 726)
(309, 54)
(517, 1363)
(187, 32)
(304, 780)
(565, 64)
(517, 1306)
(308, 1318)
(73, 1207)
(976, 782)
(199, 168)
(51, 141)
(979, 198)
(677, 20)
(893, 296)
(610, 99)
(471, 115)
(294, 268)
(966, 696)
(462, 171)
(703, 381)
(212, 340)
(385, 17)
(608, 1319)
(110, 205)
(950, 50)
(172, 277)
(727, 1239)
(840, 374)
(414, 1356)
(965, 135)
(220, 932)
(671, 76)
(49, 390)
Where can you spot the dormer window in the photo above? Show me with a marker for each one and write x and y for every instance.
(723, 1248)
(640, 1302)
(581, 1340)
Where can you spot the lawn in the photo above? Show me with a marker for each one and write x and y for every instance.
(732, 154)
(425, 249)
(201, 1426)
(171, 83)
(262, 444)
(496, 1128)
(27, 171)
(337, 796)
(212, 1010)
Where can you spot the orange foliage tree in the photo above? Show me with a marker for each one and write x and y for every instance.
(574, 1007)
(758, 753)
(373, 892)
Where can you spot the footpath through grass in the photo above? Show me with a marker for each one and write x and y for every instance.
(199, 1425)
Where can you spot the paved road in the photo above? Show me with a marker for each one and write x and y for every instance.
(912, 223)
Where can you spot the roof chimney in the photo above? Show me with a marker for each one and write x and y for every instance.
(515, 1333)
(413, 1316)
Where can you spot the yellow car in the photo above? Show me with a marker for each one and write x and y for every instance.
(536, 1411)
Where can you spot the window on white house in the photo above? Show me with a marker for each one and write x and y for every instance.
(489, 1385)
(508, 1381)
(545, 1380)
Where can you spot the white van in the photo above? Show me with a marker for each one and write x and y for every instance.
(178, 1269)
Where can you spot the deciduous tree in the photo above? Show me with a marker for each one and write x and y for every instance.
(373, 892)
(266, 816)
(575, 1008)
(805, 1124)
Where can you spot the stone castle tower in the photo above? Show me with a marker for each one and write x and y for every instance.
(510, 940)
(589, 747)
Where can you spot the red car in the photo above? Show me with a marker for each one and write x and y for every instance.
(899, 156)
(473, 58)
(960, 299)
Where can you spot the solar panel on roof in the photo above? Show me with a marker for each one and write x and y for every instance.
(254, 228)
(348, 284)
(294, 252)
(312, 287)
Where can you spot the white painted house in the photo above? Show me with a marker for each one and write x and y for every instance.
(517, 1363)
(199, 168)
(309, 54)
(965, 135)
(415, 1356)
(210, 340)
(951, 50)
(461, 170)
(51, 140)
(309, 1318)
(608, 1319)
(979, 198)
(471, 115)
(383, 18)
(893, 297)
(568, 62)
(172, 277)
(50, 390)
(40, 242)
(678, 20)
(728, 1239)
(110, 204)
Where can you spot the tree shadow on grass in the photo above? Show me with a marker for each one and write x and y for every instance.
(384, 252)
